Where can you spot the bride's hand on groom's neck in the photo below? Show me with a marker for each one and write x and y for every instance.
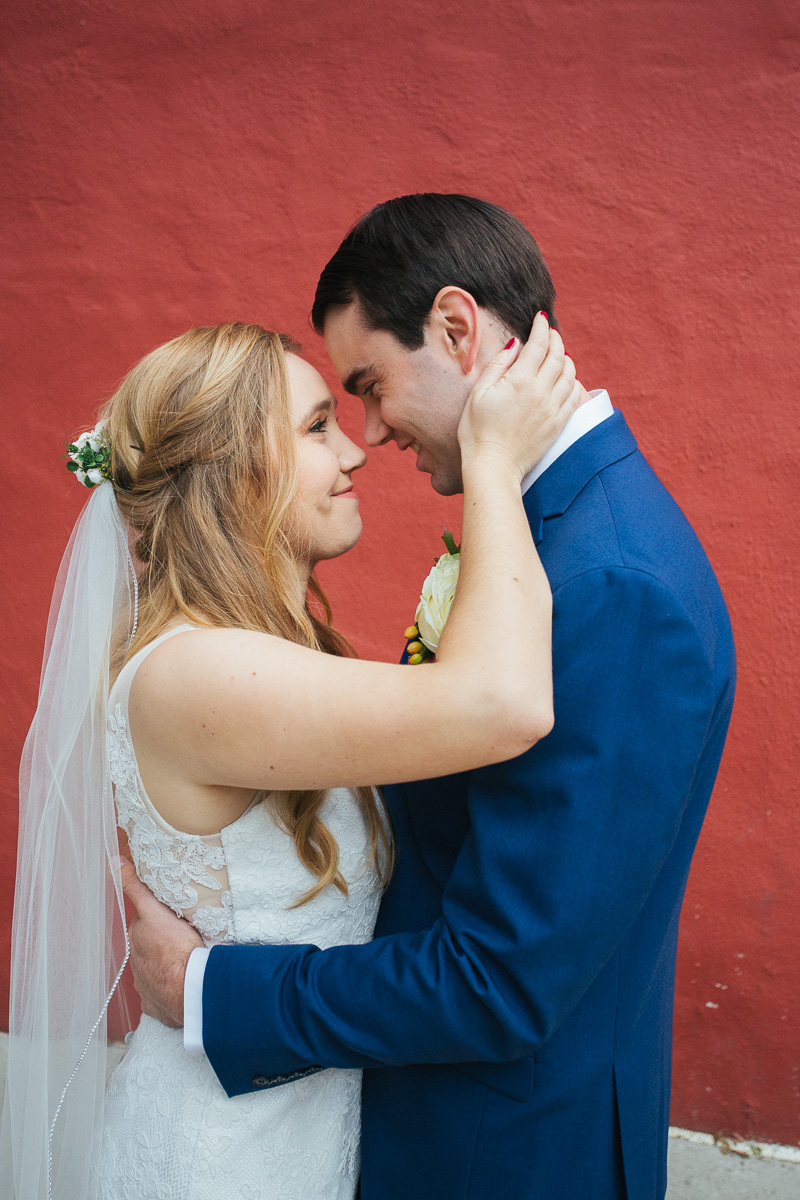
(160, 947)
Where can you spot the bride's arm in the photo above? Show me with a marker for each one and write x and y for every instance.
(249, 710)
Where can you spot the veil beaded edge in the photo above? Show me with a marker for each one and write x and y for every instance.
(69, 937)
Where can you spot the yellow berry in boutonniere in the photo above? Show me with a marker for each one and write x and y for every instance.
(414, 648)
(411, 632)
(414, 659)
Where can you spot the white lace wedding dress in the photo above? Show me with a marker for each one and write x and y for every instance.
(171, 1132)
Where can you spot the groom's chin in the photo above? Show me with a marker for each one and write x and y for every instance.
(445, 476)
(446, 483)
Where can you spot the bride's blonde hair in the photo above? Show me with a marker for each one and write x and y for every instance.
(204, 467)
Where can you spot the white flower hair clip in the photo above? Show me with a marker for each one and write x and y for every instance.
(89, 458)
(434, 605)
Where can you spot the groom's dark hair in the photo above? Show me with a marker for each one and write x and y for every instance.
(400, 254)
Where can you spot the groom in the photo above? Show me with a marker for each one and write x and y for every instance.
(514, 1011)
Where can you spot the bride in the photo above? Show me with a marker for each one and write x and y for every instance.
(200, 698)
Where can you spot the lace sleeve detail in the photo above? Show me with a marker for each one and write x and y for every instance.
(185, 871)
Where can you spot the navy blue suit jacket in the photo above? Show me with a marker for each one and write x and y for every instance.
(514, 1011)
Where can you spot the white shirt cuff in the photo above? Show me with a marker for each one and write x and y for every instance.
(193, 1002)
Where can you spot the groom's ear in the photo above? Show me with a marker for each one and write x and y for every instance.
(454, 326)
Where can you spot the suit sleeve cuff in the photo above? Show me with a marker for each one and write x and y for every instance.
(193, 1002)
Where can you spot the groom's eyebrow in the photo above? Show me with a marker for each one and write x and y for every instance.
(356, 378)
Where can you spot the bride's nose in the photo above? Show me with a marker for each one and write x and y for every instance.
(351, 457)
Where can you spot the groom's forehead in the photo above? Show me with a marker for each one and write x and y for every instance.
(357, 351)
(344, 337)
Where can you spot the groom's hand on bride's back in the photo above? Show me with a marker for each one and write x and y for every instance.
(160, 947)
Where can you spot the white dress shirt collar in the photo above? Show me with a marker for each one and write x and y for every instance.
(597, 408)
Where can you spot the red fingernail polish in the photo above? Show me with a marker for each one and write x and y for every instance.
(508, 345)
(547, 315)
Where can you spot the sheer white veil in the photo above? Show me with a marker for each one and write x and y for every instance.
(69, 939)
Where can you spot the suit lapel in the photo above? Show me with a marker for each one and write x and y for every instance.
(554, 491)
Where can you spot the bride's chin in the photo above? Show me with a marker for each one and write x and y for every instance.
(345, 543)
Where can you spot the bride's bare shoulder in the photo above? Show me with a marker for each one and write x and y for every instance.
(184, 669)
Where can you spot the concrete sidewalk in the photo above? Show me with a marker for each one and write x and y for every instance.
(704, 1172)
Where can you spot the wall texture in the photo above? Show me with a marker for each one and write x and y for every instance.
(173, 164)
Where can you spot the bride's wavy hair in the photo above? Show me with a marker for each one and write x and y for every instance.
(204, 467)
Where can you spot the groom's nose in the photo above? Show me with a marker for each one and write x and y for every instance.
(376, 431)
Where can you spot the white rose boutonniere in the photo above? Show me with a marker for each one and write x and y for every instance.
(435, 603)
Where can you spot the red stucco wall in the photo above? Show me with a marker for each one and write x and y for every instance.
(176, 164)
